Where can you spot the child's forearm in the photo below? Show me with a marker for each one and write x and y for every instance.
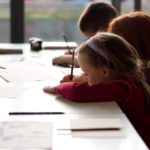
(65, 59)
(68, 60)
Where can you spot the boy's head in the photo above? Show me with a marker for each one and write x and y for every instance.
(96, 16)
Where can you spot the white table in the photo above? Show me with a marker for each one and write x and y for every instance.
(130, 140)
(35, 100)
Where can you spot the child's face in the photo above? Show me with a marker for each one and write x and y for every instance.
(92, 75)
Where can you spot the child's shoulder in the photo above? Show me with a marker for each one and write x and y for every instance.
(126, 81)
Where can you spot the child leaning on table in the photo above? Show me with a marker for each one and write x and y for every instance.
(111, 73)
(96, 16)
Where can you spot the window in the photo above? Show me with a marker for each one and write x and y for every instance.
(48, 19)
(4, 21)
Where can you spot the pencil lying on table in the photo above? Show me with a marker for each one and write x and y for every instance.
(92, 129)
(72, 65)
(36, 113)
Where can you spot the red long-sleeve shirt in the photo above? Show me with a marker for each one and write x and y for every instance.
(124, 91)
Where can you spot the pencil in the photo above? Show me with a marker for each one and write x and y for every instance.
(92, 129)
(72, 65)
(36, 113)
(64, 36)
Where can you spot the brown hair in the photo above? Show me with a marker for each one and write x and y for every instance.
(135, 28)
(96, 16)
(122, 57)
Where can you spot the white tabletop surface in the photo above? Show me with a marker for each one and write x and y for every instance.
(33, 99)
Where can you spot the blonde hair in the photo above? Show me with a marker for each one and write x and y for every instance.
(122, 57)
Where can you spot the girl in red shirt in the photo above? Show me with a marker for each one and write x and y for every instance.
(111, 69)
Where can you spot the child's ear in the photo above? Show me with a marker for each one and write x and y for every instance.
(105, 71)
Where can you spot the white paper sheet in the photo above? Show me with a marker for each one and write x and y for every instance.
(26, 135)
(97, 123)
(11, 92)
(21, 71)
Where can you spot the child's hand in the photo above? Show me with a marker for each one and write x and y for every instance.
(66, 79)
(49, 89)
(68, 52)
(78, 79)
(63, 59)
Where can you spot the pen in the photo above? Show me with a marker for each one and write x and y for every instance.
(66, 43)
(92, 129)
(36, 113)
(72, 65)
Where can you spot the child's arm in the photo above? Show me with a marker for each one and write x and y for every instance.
(65, 59)
(78, 79)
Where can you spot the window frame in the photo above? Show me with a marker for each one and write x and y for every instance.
(17, 21)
